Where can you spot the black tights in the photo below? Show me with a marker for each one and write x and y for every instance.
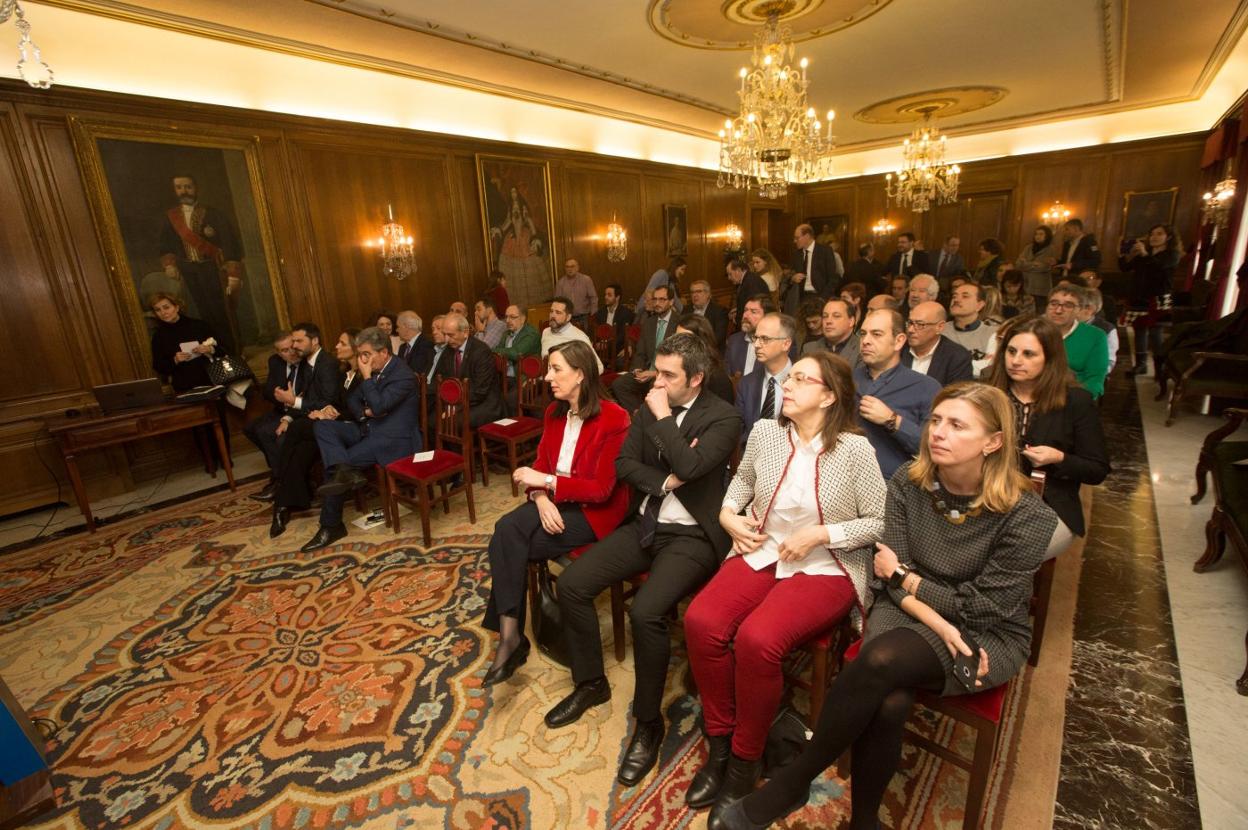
(867, 706)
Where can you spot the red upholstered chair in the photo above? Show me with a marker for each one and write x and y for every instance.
(604, 344)
(500, 366)
(411, 481)
(632, 336)
(503, 442)
(982, 712)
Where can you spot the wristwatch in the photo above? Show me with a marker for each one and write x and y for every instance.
(550, 482)
(899, 576)
(891, 424)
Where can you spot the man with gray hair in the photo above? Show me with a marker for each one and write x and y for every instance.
(702, 305)
(1090, 303)
(923, 289)
(415, 348)
(385, 427)
(468, 358)
(929, 352)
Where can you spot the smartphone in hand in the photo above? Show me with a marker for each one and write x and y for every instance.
(966, 667)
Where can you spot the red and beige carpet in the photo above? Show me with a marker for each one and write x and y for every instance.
(206, 677)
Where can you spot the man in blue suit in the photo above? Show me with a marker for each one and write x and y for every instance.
(893, 402)
(386, 425)
(759, 393)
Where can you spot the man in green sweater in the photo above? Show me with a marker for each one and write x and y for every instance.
(1087, 347)
(520, 340)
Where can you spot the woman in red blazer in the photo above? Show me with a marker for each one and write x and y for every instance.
(574, 497)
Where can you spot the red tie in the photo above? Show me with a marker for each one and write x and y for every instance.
(459, 359)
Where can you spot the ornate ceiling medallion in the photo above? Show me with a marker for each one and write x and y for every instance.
(939, 103)
(731, 26)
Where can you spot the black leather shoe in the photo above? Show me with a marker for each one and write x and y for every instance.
(583, 697)
(708, 780)
(739, 781)
(731, 815)
(642, 752)
(267, 494)
(346, 478)
(325, 536)
(281, 518)
(505, 669)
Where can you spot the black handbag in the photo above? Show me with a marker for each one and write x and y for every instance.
(785, 740)
(224, 370)
(548, 620)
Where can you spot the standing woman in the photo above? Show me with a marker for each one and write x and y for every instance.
(185, 370)
(1056, 421)
(669, 276)
(1153, 263)
(497, 293)
(801, 561)
(1036, 262)
(963, 537)
(765, 265)
(388, 324)
(574, 497)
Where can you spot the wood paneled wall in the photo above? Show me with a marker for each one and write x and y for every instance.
(326, 185)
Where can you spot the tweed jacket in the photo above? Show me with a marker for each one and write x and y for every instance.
(851, 493)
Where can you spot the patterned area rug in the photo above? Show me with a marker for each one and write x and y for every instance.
(208, 677)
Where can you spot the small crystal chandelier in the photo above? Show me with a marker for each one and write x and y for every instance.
(777, 139)
(1216, 204)
(398, 257)
(1056, 215)
(617, 241)
(734, 239)
(923, 177)
(32, 59)
(883, 227)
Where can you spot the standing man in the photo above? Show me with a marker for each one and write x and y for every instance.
(759, 394)
(561, 329)
(1079, 250)
(908, 260)
(867, 271)
(748, 285)
(415, 349)
(702, 305)
(199, 245)
(631, 387)
(1087, 347)
(968, 331)
(839, 336)
(615, 314)
(467, 357)
(266, 430)
(579, 288)
(674, 458)
(385, 427)
(930, 352)
(814, 265)
(948, 262)
(893, 402)
(489, 329)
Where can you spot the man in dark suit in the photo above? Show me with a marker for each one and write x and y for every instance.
(759, 394)
(416, 350)
(674, 458)
(266, 430)
(948, 262)
(612, 312)
(893, 402)
(908, 260)
(748, 285)
(386, 427)
(631, 387)
(702, 305)
(929, 352)
(468, 357)
(814, 265)
(1079, 250)
(867, 271)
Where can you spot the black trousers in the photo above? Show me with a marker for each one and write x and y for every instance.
(297, 454)
(262, 432)
(519, 539)
(629, 392)
(679, 560)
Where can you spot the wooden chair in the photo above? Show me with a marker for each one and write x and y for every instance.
(376, 474)
(822, 648)
(632, 336)
(1042, 587)
(604, 344)
(411, 481)
(526, 430)
(501, 366)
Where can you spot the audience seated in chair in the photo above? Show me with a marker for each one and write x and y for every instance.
(574, 496)
(701, 304)
(801, 560)
(963, 537)
(487, 327)
(469, 358)
(1087, 347)
(631, 387)
(561, 328)
(928, 351)
(613, 313)
(840, 333)
(749, 284)
(415, 348)
(671, 531)
(265, 431)
(717, 380)
(758, 394)
(969, 329)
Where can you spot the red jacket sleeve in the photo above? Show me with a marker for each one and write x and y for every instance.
(593, 468)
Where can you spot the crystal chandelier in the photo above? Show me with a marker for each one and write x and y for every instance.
(924, 177)
(1216, 204)
(777, 139)
(32, 62)
(617, 242)
(398, 257)
(1056, 215)
(734, 240)
(883, 228)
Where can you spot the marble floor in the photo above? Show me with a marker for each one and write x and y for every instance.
(1210, 615)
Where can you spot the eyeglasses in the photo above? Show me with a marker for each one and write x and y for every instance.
(919, 324)
(800, 377)
(515, 317)
(1068, 306)
(762, 338)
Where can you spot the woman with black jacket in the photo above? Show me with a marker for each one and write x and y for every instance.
(1153, 265)
(184, 369)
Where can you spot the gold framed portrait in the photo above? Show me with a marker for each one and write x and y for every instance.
(517, 224)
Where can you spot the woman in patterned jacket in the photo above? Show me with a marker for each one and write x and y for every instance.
(813, 503)
(963, 537)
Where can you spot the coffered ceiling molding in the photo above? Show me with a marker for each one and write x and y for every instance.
(941, 103)
(733, 24)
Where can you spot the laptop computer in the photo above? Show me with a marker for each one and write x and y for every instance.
(118, 397)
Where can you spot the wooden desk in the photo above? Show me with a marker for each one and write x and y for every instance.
(93, 432)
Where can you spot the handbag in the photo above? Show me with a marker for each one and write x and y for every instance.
(224, 370)
(786, 739)
(548, 620)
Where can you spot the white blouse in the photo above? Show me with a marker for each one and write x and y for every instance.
(567, 449)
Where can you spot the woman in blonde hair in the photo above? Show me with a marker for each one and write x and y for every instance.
(963, 536)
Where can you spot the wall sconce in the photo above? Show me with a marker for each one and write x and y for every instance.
(1056, 215)
(734, 240)
(617, 241)
(1216, 204)
(398, 258)
(883, 228)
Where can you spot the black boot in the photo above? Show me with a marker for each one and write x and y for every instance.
(740, 780)
(281, 518)
(708, 780)
(642, 752)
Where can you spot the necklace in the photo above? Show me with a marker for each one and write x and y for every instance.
(952, 516)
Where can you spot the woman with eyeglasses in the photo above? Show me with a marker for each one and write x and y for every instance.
(963, 537)
(803, 510)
